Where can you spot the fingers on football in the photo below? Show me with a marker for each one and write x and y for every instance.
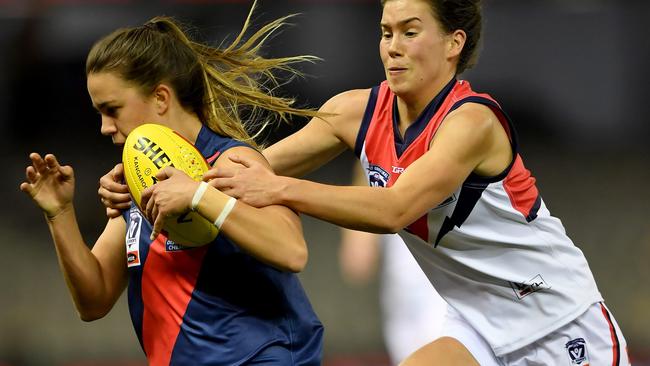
(118, 172)
(112, 213)
(158, 224)
(166, 172)
(109, 184)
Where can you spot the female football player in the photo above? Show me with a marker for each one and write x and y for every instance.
(234, 301)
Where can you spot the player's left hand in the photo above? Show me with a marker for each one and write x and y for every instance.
(170, 197)
(250, 182)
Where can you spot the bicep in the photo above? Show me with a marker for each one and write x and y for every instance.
(323, 138)
(306, 150)
(460, 145)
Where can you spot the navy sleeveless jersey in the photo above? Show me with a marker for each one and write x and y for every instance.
(213, 305)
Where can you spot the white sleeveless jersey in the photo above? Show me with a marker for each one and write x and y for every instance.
(492, 249)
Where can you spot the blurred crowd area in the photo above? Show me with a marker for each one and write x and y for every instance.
(572, 75)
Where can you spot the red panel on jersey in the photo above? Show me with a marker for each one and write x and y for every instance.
(520, 186)
(166, 292)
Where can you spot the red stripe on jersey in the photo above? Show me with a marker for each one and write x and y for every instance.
(212, 158)
(612, 332)
(168, 280)
(521, 189)
(420, 228)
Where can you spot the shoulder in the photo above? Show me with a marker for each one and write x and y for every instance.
(476, 117)
(344, 113)
(348, 102)
(242, 150)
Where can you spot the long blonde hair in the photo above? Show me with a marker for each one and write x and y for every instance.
(221, 85)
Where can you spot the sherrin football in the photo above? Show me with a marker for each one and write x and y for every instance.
(150, 148)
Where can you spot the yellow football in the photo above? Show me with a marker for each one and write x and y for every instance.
(150, 148)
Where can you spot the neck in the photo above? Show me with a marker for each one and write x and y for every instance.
(410, 105)
(187, 124)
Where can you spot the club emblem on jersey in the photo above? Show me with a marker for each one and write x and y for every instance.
(577, 350)
(524, 289)
(133, 238)
(377, 176)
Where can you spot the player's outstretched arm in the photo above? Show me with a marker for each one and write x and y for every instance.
(272, 234)
(470, 141)
(95, 279)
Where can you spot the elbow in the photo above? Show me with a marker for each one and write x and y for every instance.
(89, 316)
(297, 260)
(392, 224)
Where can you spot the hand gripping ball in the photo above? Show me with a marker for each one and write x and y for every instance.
(150, 148)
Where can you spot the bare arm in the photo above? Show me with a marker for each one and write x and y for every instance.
(322, 139)
(95, 278)
(272, 234)
(425, 183)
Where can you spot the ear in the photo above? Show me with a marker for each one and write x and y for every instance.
(162, 95)
(456, 42)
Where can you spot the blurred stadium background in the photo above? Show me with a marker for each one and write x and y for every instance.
(573, 74)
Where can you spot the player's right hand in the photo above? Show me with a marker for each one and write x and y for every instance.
(49, 184)
(113, 193)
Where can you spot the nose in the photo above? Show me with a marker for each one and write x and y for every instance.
(108, 127)
(394, 46)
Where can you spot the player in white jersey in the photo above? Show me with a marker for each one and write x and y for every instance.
(446, 174)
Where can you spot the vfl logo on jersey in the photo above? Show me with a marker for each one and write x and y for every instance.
(133, 238)
(533, 285)
(577, 350)
(377, 177)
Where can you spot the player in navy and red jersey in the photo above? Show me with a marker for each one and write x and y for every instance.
(234, 301)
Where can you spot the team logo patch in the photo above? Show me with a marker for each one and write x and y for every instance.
(535, 284)
(133, 238)
(577, 350)
(377, 176)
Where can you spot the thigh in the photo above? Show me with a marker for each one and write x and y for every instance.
(444, 351)
(593, 338)
(457, 328)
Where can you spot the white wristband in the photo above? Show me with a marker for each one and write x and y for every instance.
(225, 212)
(198, 195)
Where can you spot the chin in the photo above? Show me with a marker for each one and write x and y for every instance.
(397, 87)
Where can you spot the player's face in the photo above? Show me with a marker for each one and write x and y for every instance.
(412, 47)
(122, 106)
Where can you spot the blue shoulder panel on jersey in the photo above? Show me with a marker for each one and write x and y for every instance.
(367, 117)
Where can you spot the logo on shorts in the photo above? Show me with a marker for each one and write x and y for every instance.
(577, 350)
(533, 285)
(377, 176)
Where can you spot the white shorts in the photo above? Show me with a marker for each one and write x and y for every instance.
(593, 338)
